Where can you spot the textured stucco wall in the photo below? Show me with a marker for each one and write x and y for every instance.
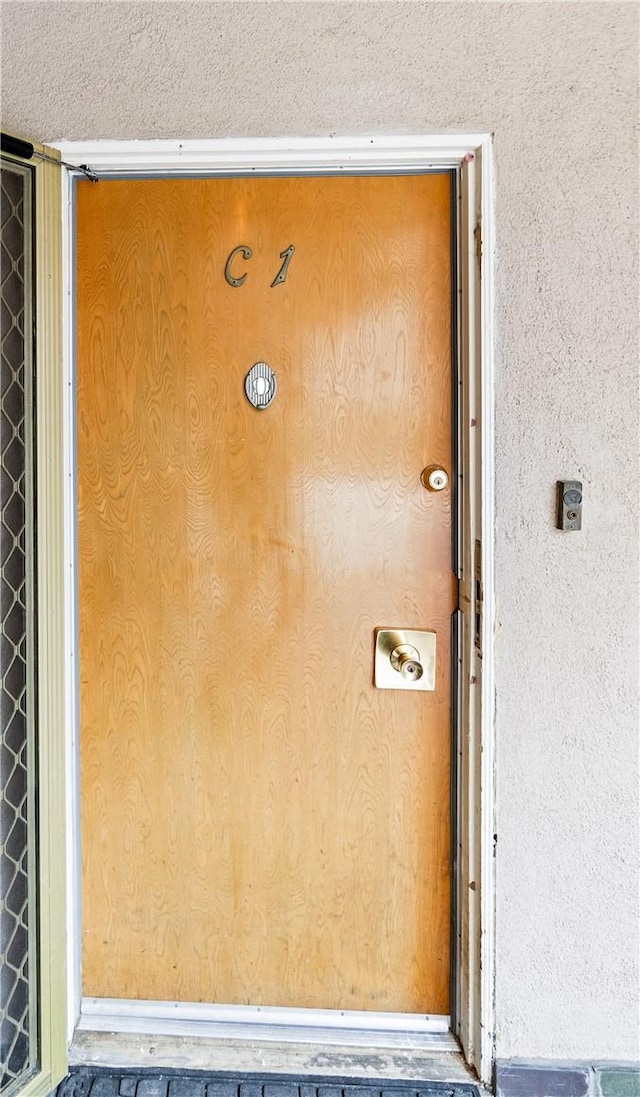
(556, 83)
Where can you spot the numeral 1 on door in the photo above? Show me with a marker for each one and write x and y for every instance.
(281, 276)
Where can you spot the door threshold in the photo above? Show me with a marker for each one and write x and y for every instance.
(143, 1035)
(131, 1052)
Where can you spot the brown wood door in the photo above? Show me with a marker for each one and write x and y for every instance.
(259, 823)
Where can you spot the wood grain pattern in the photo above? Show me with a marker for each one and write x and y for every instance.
(259, 824)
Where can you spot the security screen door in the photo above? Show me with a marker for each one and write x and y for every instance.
(264, 372)
(19, 1037)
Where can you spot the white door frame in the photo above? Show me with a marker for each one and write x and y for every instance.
(471, 156)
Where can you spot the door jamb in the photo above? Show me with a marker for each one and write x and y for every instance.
(471, 155)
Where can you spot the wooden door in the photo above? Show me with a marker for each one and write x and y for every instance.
(259, 823)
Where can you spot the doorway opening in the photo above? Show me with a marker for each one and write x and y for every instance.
(314, 481)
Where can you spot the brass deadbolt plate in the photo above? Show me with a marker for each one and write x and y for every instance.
(388, 662)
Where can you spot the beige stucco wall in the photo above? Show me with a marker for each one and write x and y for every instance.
(556, 83)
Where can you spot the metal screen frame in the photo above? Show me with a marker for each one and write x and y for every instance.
(27, 475)
(46, 654)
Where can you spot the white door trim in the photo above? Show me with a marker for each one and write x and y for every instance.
(471, 156)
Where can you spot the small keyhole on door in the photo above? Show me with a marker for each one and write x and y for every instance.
(405, 659)
(434, 478)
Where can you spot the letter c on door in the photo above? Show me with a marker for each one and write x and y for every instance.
(246, 254)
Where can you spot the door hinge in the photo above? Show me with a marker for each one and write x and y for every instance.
(478, 599)
(477, 236)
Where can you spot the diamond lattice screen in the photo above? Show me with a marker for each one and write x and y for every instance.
(16, 751)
